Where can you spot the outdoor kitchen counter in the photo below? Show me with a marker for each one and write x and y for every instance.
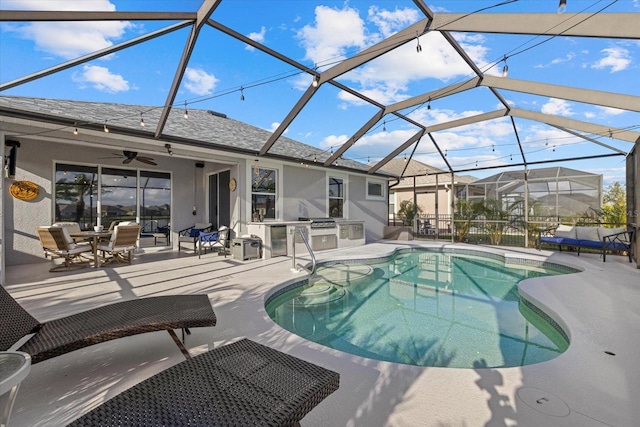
(278, 236)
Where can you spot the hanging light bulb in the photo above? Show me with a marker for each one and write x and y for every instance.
(241, 93)
(106, 129)
(562, 6)
(505, 69)
(554, 148)
(405, 157)
(493, 147)
(384, 126)
(429, 104)
(476, 163)
(547, 142)
(510, 156)
(418, 48)
(186, 112)
(316, 81)
(446, 152)
(75, 131)
(141, 120)
(315, 159)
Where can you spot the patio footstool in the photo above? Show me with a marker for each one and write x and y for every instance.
(239, 384)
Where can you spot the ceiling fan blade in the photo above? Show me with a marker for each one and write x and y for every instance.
(146, 160)
(127, 161)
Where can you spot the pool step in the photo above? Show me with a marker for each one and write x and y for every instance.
(320, 293)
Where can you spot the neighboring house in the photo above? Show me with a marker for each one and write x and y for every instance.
(431, 185)
(204, 168)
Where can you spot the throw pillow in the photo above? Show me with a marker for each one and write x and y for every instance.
(565, 231)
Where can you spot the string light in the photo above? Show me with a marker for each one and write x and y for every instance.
(405, 157)
(141, 120)
(169, 150)
(505, 69)
(510, 156)
(316, 81)
(418, 48)
(562, 6)
(493, 147)
(106, 129)
(384, 126)
(446, 152)
(241, 93)
(554, 148)
(186, 112)
(315, 159)
(429, 104)
(75, 131)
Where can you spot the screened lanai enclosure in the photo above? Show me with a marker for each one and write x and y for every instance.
(555, 193)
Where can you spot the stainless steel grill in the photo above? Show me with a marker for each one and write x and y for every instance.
(320, 222)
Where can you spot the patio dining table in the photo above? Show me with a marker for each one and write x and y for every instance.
(93, 237)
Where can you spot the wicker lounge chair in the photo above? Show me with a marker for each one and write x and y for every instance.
(100, 324)
(239, 384)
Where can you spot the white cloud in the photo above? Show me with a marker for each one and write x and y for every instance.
(589, 115)
(557, 107)
(257, 37)
(275, 126)
(338, 33)
(611, 111)
(615, 58)
(101, 79)
(199, 82)
(68, 39)
(568, 57)
(332, 34)
(389, 22)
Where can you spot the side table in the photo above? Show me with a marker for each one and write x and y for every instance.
(14, 367)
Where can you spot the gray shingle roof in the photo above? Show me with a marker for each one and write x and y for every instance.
(202, 125)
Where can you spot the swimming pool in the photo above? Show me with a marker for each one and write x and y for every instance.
(425, 308)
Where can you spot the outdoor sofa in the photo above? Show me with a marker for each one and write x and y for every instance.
(599, 238)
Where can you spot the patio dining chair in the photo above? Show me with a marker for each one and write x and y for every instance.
(57, 243)
(215, 240)
(191, 235)
(123, 242)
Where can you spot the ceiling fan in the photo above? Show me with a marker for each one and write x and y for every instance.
(129, 156)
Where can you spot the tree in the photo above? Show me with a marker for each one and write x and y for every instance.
(501, 216)
(466, 212)
(407, 212)
(614, 211)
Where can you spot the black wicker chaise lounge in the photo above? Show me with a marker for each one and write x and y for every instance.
(239, 384)
(117, 320)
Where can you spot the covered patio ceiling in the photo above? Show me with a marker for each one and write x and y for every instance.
(539, 28)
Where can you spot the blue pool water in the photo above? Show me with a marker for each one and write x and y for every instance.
(424, 308)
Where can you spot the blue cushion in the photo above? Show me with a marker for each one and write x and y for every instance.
(194, 232)
(208, 237)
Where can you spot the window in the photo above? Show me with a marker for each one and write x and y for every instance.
(375, 190)
(264, 193)
(124, 194)
(76, 196)
(336, 197)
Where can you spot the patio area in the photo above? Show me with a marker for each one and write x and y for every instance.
(599, 309)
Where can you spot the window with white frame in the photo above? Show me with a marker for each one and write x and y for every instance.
(375, 189)
(336, 197)
(264, 193)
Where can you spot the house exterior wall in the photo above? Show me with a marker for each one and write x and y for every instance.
(302, 192)
(426, 201)
(36, 163)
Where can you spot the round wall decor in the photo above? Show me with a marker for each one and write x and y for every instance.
(232, 184)
(24, 190)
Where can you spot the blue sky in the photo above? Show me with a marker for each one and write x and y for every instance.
(321, 33)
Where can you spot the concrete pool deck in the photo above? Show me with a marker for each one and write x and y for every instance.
(599, 308)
